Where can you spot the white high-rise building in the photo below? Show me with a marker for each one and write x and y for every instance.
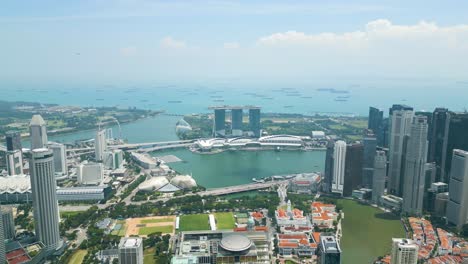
(38, 132)
(457, 207)
(113, 159)
(415, 167)
(400, 122)
(60, 158)
(131, 250)
(100, 145)
(378, 177)
(44, 198)
(404, 251)
(90, 173)
(339, 161)
(14, 162)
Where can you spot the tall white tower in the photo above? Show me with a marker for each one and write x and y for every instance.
(38, 132)
(44, 198)
(404, 251)
(339, 161)
(100, 145)
(400, 122)
(415, 162)
(60, 158)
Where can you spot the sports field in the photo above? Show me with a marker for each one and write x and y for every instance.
(194, 222)
(144, 226)
(144, 231)
(78, 256)
(157, 220)
(225, 220)
(367, 232)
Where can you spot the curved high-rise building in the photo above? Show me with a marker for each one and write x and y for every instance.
(44, 198)
(38, 132)
(339, 161)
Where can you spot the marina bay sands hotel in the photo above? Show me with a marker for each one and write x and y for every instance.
(237, 128)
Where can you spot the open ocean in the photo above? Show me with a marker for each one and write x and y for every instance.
(181, 98)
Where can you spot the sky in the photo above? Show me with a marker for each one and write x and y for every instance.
(143, 40)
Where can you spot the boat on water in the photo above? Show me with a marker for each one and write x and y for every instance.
(218, 100)
(288, 106)
(341, 100)
(259, 181)
(278, 149)
(174, 102)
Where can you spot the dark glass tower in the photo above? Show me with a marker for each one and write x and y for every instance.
(375, 123)
(254, 121)
(219, 126)
(353, 168)
(13, 141)
(457, 138)
(329, 166)
(438, 140)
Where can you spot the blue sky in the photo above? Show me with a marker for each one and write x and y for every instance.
(284, 40)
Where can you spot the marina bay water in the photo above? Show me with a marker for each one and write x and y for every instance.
(239, 167)
(217, 170)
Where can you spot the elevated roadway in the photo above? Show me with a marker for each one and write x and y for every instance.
(224, 190)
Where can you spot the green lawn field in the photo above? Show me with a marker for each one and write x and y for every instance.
(69, 214)
(154, 229)
(225, 220)
(148, 256)
(161, 220)
(78, 256)
(367, 232)
(194, 222)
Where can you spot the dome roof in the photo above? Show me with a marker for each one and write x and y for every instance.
(153, 184)
(235, 243)
(184, 181)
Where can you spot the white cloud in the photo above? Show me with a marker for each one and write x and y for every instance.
(169, 42)
(231, 45)
(375, 32)
(128, 51)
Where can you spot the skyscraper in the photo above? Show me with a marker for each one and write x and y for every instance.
(400, 121)
(438, 141)
(254, 121)
(8, 222)
(375, 123)
(2, 244)
(131, 250)
(339, 161)
(44, 198)
(329, 250)
(379, 173)
(236, 122)
(38, 132)
(100, 145)
(353, 168)
(457, 137)
(457, 207)
(13, 141)
(14, 162)
(60, 158)
(219, 124)
(404, 251)
(415, 166)
(370, 145)
(329, 166)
